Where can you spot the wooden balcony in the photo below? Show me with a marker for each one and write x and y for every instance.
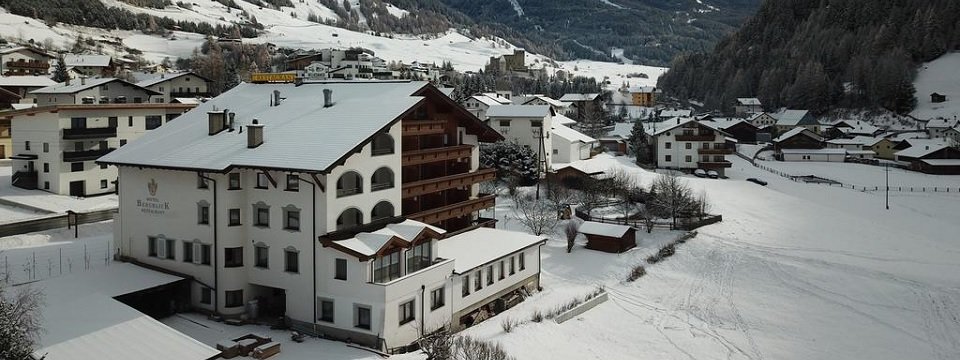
(418, 157)
(454, 210)
(428, 186)
(87, 155)
(89, 133)
(32, 64)
(714, 164)
(423, 127)
(724, 151)
(696, 137)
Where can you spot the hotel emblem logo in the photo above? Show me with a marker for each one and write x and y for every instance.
(152, 187)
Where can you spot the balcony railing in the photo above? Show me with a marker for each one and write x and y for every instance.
(347, 192)
(695, 137)
(454, 210)
(418, 157)
(423, 127)
(421, 187)
(181, 94)
(714, 164)
(28, 64)
(74, 156)
(89, 133)
(723, 151)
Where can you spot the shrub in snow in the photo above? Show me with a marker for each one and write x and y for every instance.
(468, 348)
(508, 324)
(636, 273)
(537, 316)
(19, 322)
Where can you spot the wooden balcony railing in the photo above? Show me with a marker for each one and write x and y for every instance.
(423, 127)
(421, 187)
(417, 157)
(723, 151)
(28, 64)
(454, 210)
(89, 133)
(694, 137)
(714, 164)
(74, 156)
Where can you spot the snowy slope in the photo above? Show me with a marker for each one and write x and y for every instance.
(939, 76)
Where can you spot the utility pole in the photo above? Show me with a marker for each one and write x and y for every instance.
(886, 169)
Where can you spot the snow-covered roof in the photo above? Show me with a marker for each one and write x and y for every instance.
(300, 133)
(918, 151)
(192, 101)
(23, 106)
(815, 151)
(161, 77)
(724, 123)
(369, 243)
(675, 113)
(643, 89)
(845, 141)
(794, 118)
(574, 97)
(498, 98)
(77, 86)
(868, 140)
(856, 127)
(940, 123)
(489, 100)
(601, 229)
(549, 100)
(26, 81)
(942, 162)
(72, 60)
(480, 246)
(748, 101)
(860, 152)
(797, 131)
(571, 135)
(519, 111)
(671, 124)
(756, 115)
(82, 321)
(563, 120)
(27, 48)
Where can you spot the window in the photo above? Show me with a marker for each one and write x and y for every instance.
(362, 320)
(293, 182)
(234, 217)
(151, 246)
(386, 267)
(46, 147)
(202, 183)
(349, 183)
(205, 252)
(503, 274)
(261, 215)
(418, 257)
(153, 121)
(513, 269)
(26, 145)
(490, 275)
(129, 121)
(76, 167)
(688, 145)
(206, 296)
(436, 298)
(187, 251)
(262, 180)
(103, 166)
(382, 210)
(261, 256)
(407, 313)
(382, 179)
(667, 145)
(291, 261)
(233, 257)
(349, 218)
(291, 219)
(466, 286)
(78, 123)
(688, 158)
(536, 123)
(326, 310)
(103, 184)
(234, 181)
(203, 213)
(382, 145)
(46, 185)
(667, 158)
(505, 123)
(478, 281)
(706, 145)
(340, 273)
(137, 100)
(234, 298)
(555, 151)
(46, 167)
(170, 249)
(522, 262)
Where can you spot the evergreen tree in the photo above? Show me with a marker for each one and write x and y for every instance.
(60, 70)
(639, 143)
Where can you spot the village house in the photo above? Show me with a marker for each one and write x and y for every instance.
(952, 135)
(802, 144)
(789, 119)
(91, 65)
(177, 85)
(644, 95)
(583, 105)
(55, 146)
(747, 106)
(91, 91)
(559, 107)
(931, 158)
(688, 144)
(882, 147)
(852, 128)
(741, 130)
(326, 210)
(528, 125)
(667, 114)
(761, 120)
(570, 145)
(24, 60)
(479, 104)
(937, 128)
(855, 148)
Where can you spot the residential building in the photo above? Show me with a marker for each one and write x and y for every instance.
(176, 85)
(55, 146)
(937, 128)
(644, 95)
(741, 130)
(91, 65)
(952, 135)
(789, 119)
(688, 144)
(583, 105)
(819, 155)
(853, 128)
(569, 145)
(761, 119)
(797, 138)
(480, 103)
(931, 158)
(91, 91)
(614, 143)
(328, 213)
(24, 60)
(882, 147)
(15, 88)
(559, 107)
(528, 125)
(667, 114)
(747, 106)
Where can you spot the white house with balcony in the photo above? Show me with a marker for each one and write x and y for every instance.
(171, 86)
(688, 144)
(321, 208)
(92, 91)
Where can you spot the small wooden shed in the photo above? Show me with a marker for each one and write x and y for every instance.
(612, 238)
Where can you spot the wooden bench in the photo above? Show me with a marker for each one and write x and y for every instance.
(266, 350)
(228, 349)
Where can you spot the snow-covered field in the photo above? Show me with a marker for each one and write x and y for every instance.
(41, 255)
(938, 76)
(864, 175)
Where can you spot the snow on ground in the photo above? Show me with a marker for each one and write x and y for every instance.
(10, 214)
(864, 175)
(938, 76)
(616, 73)
(40, 199)
(749, 150)
(798, 271)
(52, 253)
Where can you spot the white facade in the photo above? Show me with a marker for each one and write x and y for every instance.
(91, 91)
(172, 86)
(821, 155)
(23, 55)
(569, 145)
(65, 141)
(762, 119)
(688, 145)
(525, 128)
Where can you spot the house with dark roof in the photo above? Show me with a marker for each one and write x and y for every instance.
(931, 158)
(184, 84)
(747, 106)
(92, 91)
(24, 60)
(789, 119)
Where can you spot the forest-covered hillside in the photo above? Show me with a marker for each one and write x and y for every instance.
(821, 54)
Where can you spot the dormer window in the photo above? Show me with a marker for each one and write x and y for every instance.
(419, 257)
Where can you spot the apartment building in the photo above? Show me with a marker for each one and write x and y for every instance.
(321, 208)
(529, 125)
(55, 146)
(91, 91)
(688, 144)
(24, 60)
(171, 86)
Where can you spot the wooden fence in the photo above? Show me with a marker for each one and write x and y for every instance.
(796, 178)
(53, 222)
(683, 223)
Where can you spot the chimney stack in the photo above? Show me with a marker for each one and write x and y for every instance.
(276, 98)
(327, 98)
(216, 121)
(254, 134)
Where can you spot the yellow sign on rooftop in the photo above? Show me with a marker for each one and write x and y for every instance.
(273, 77)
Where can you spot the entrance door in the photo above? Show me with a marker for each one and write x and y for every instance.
(77, 188)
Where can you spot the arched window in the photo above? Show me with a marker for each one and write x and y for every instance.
(382, 144)
(349, 218)
(382, 210)
(382, 179)
(349, 183)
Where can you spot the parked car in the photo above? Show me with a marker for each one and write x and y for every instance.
(713, 174)
(757, 181)
(700, 173)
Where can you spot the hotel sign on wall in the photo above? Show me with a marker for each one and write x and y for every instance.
(152, 204)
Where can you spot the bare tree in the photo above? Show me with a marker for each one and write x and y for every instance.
(468, 348)
(437, 345)
(622, 185)
(537, 216)
(649, 218)
(671, 197)
(571, 230)
(19, 322)
(702, 204)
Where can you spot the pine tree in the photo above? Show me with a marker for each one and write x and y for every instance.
(60, 70)
(639, 143)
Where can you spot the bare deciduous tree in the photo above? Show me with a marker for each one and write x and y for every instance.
(19, 322)
(649, 218)
(537, 216)
(671, 197)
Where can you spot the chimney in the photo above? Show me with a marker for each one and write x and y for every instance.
(83, 80)
(230, 117)
(215, 120)
(276, 98)
(67, 82)
(254, 134)
(327, 98)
